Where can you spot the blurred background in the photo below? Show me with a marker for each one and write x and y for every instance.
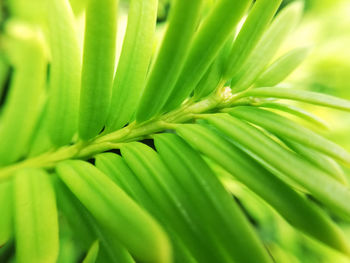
(325, 28)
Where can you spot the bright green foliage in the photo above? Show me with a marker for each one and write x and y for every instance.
(267, 47)
(182, 23)
(98, 66)
(86, 229)
(6, 228)
(267, 149)
(282, 67)
(285, 128)
(97, 192)
(212, 34)
(253, 28)
(25, 99)
(296, 210)
(133, 64)
(92, 253)
(36, 222)
(169, 143)
(65, 72)
(301, 95)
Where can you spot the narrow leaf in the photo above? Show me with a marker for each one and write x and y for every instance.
(6, 208)
(267, 47)
(293, 207)
(211, 36)
(253, 28)
(98, 66)
(98, 193)
(170, 198)
(282, 67)
(212, 78)
(36, 223)
(92, 253)
(86, 229)
(115, 166)
(288, 129)
(322, 161)
(301, 171)
(65, 69)
(4, 71)
(309, 117)
(216, 208)
(183, 21)
(301, 95)
(24, 101)
(133, 63)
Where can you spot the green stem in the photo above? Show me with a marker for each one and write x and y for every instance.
(104, 142)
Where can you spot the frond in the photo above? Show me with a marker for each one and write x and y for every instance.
(163, 153)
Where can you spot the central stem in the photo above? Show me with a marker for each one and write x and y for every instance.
(104, 142)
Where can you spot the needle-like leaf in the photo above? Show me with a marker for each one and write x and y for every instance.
(301, 95)
(253, 28)
(166, 191)
(98, 193)
(316, 182)
(65, 69)
(293, 207)
(133, 63)
(92, 253)
(183, 21)
(6, 207)
(115, 166)
(24, 102)
(282, 67)
(267, 47)
(36, 222)
(211, 197)
(288, 129)
(84, 227)
(211, 36)
(98, 66)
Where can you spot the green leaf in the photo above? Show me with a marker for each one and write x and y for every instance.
(300, 95)
(92, 253)
(86, 230)
(211, 36)
(215, 207)
(133, 63)
(169, 196)
(98, 66)
(299, 212)
(183, 21)
(6, 207)
(212, 78)
(115, 166)
(288, 129)
(98, 193)
(267, 47)
(282, 67)
(36, 223)
(309, 117)
(318, 183)
(324, 162)
(253, 28)
(4, 71)
(25, 99)
(65, 69)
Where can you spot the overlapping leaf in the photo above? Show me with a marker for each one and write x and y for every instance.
(292, 206)
(98, 194)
